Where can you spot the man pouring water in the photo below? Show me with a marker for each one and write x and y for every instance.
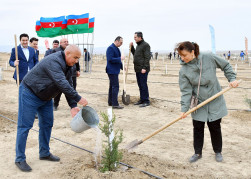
(50, 77)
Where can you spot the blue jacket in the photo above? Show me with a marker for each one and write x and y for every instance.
(242, 54)
(113, 57)
(23, 63)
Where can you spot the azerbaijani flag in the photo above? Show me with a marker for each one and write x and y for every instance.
(78, 24)
(52, 25)
(40, 31)
(65, 30)
(91, 25)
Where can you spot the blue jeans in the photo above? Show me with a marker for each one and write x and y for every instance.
(143, 88)
(29, 104)
(242, 58)
(113, 89)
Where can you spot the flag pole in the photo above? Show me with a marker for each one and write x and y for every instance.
(92, 46)
(83, 52)
(72, 39)
(88, 52)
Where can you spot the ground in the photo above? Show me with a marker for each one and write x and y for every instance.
(164, 155)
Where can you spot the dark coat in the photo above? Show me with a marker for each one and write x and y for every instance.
(87, 56)
(50, 77)
(48, 52)
(113, 57)
(75, 68)
(23, 63)
(142, 56)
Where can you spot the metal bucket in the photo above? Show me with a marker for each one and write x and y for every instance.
(85, 119)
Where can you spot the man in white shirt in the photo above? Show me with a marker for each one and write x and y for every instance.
(27, 58)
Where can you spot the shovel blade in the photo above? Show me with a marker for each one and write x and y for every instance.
(125, 98)
(133, 145)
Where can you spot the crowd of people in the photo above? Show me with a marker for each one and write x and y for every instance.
(42, 83)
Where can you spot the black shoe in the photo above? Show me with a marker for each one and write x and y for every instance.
(55, 108)
(218, 157)
(138, 102)
(109, 104)
(195, 157)
(51, 157)
(117, 107)
(144, 104)
(23, 166)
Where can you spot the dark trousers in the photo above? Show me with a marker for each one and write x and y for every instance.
(143, 88)
(57, 98)
(215, 133)
(113, 89)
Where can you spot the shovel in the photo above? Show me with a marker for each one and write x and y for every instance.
(16, 53)
(125, 97)
(135, 143)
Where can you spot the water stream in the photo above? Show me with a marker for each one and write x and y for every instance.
(98, 147)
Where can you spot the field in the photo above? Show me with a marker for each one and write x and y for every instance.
(164, 155)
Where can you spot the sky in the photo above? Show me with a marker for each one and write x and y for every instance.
(164, 23)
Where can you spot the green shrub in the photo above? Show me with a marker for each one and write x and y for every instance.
(112, 156)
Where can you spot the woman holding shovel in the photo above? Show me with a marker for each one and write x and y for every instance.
(198, 82)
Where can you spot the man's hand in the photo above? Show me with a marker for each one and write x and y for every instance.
(182, 115)
(77, 73)
(83, 102)
(234, 84)
(143, 71)
(74, 111)
(131, 44)
(16, 62)
(122, 57)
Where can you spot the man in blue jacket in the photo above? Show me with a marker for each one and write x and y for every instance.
(51, 76)
(113, 67)
(27, 58)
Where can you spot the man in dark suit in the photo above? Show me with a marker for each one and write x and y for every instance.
(27, 58)
(55, 44)
(113, 67)
(34, 44)
(87, 60)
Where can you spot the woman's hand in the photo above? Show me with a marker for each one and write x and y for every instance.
(182, 115)
(234, 84)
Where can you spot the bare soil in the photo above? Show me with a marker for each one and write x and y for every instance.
(165, 155)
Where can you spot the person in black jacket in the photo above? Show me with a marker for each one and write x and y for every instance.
(141, 60)
(75, 74)
(55, 45)
(51, 76)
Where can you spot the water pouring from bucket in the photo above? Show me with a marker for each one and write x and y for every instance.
(85, 119)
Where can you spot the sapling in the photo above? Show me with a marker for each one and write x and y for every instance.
(112, 156)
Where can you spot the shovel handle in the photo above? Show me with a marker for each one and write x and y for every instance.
(124, 75)
(190, 111)
(128, 63)
(16, 53)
